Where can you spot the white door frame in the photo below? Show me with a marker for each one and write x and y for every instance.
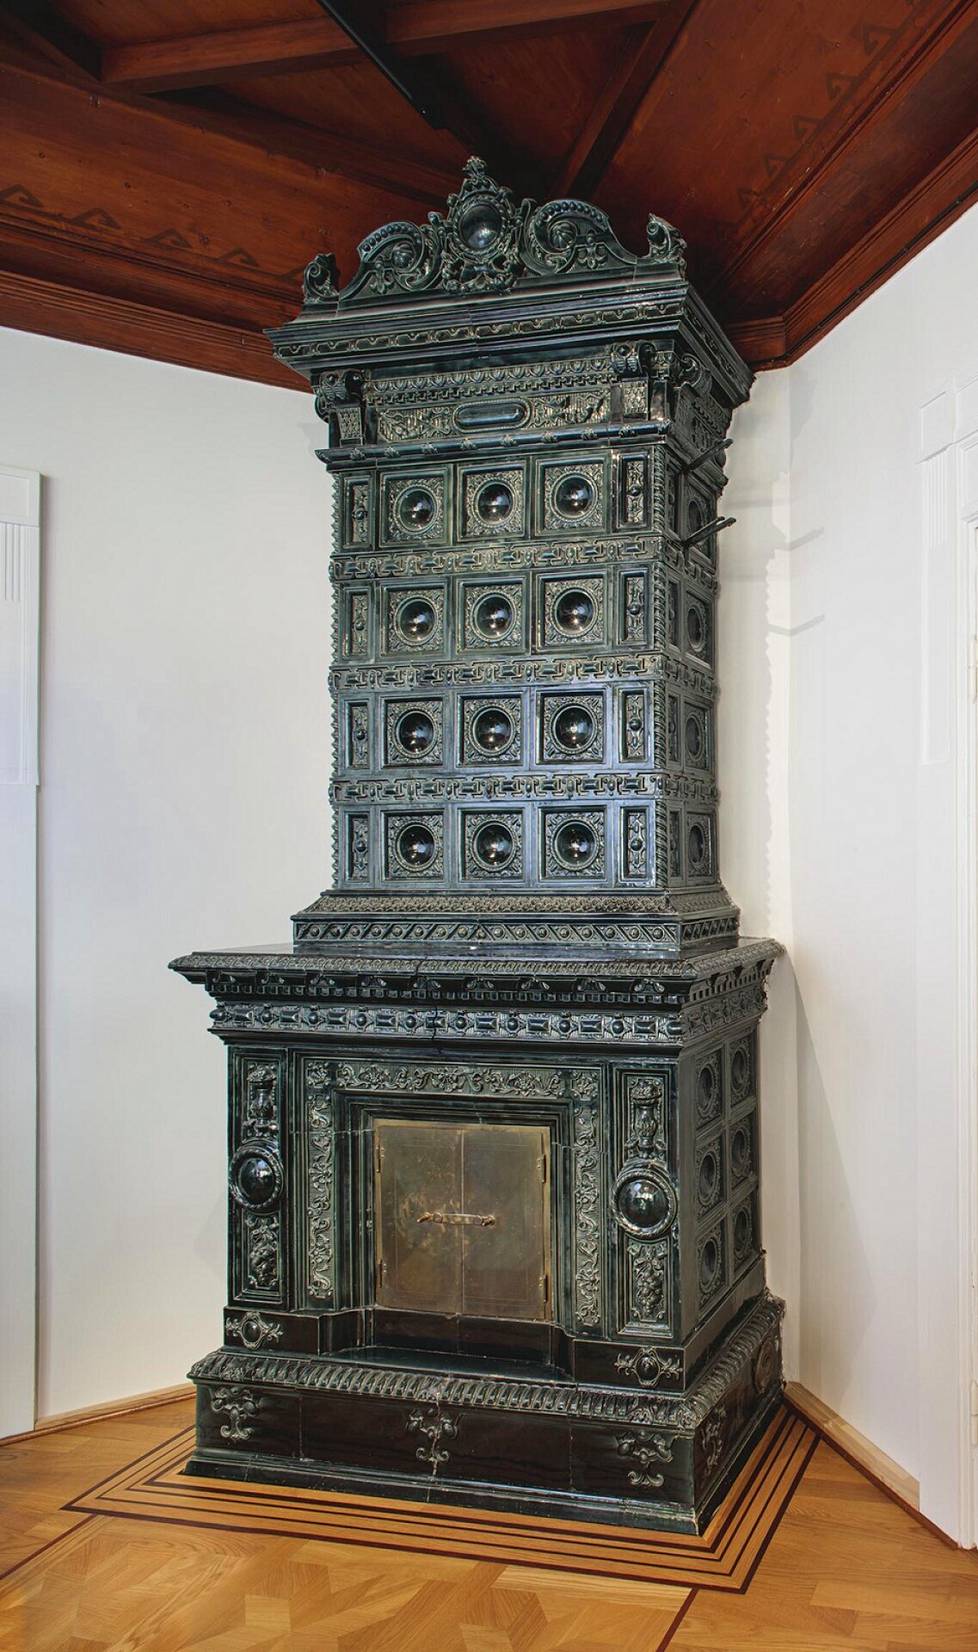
(947, 965)
(19, 636)
(968, 1053)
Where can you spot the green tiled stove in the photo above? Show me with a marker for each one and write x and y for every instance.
(494, 1227)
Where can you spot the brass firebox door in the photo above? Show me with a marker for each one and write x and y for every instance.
(463, 1218)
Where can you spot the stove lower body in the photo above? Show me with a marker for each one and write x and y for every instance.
(470, 1263)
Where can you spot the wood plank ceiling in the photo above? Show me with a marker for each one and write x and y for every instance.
(167, 169)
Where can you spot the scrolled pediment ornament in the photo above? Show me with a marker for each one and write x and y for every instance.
(398, 257)
(487, 242)
(319, 283)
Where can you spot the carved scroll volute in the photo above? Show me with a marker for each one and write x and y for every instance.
(320, 282)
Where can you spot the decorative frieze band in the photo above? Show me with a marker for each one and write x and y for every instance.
(434, 788)
(448, 1078)
(426, 1023)
(538, 669)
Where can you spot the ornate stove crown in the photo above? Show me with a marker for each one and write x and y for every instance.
(489, 243)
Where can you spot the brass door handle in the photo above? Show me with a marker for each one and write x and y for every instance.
(456, 1218)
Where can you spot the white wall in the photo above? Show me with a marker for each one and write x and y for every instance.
(837, 634)
(182, 804)
(855, 745)
(20, 567)
(754, 663)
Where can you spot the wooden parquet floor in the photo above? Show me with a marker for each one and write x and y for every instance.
(723, 1558)
(843, 1567)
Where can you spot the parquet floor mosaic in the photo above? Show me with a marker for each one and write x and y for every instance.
(806, 1554)
(723, 1557)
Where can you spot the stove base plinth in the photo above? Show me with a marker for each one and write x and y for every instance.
(544, 1447)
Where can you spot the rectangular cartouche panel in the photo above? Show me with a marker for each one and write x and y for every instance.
(358, 735)
(572, 495)
(632, 724)
(415, 507)
(493, 502)
(572, 610)
(633, 608)
(355, 519)
(633, 482)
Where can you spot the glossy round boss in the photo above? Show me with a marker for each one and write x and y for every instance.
(709, 1264)
(415, 732)
(574, 611)
(415, 619)
(573, 727)
(480, 225)
(494, 502)
(574, 495)
(416, 846)
(256, 1175)
(494, 615)
(492, 730)
(644, 1201)
(696, 848)
(493, 845)
(416, 508)
(575, 843)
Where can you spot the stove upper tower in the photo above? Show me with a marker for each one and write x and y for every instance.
(527, 428)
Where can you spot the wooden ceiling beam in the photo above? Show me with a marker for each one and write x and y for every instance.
(411, 81)
(434, 97)
(38, 25)
(327, 153)
(59, 310)
(417, 27)
(436, 25)
(331, 152)
(641, 59)
(229, 54)
(203, 227)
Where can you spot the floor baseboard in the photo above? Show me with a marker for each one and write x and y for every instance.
(855, 1446)
(108, 1408)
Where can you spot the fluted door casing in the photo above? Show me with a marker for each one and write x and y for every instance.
(527, 932)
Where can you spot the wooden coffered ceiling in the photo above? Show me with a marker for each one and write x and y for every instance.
(167, 168)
